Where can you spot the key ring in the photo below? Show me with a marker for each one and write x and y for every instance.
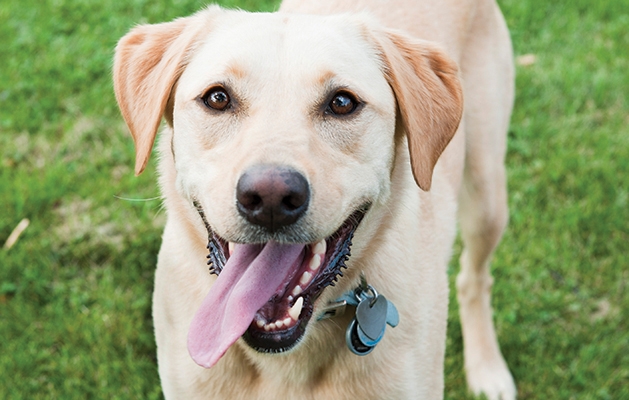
(362, 293)
(362, 339)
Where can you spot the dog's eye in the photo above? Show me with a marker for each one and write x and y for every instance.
(343, 103)
(217, 99)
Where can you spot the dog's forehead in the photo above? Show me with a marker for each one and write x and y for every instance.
(284, 48)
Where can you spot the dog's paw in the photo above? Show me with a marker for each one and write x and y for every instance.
(493, 380)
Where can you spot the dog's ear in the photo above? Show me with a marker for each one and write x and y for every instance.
(148, 62)
(429, 96)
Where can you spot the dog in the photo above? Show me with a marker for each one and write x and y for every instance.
(320, 157)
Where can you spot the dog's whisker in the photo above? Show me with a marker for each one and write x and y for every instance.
(139, 200)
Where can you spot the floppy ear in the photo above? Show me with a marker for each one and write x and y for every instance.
(148, 62)
(429, 96)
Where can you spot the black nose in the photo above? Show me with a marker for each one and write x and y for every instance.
(272, 196)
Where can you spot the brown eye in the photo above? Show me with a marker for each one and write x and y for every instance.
(217, 99)
(342, 104)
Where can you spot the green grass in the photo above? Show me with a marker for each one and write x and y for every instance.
(75, 290)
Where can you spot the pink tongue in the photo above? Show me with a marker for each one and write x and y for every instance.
(249, 279)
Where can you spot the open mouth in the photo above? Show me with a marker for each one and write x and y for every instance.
(282, 321)
(267, 290)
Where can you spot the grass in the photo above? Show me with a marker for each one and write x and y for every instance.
(75, 290)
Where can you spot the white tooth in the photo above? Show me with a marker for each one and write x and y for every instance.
(231, 247)
(260, 323)
(271, 325)
(319, 248)
(287, 321)
(297, 290)
(279, 324)
(290, 298)
(305, 278)
(267, 327)
(295, 310)
(315, 262)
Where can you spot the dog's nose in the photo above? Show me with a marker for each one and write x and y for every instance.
(272, 196)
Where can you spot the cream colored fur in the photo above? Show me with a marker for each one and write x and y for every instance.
(388, 52)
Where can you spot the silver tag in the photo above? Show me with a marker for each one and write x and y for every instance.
(371, 315)
(353, 341)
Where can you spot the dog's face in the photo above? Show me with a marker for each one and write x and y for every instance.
(304, 95)
(284, 130)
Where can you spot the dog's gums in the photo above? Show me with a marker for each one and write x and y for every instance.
(280, 323)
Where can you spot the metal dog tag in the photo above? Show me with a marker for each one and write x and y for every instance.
(371, 316)
(366, 340)
(354, 343)
(373, 313)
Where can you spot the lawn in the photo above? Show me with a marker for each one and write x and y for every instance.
(75, 289)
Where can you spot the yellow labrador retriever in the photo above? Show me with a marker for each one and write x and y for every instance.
(295, 137)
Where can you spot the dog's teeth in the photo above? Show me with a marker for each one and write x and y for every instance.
(279, 324)
(315, 262)
(231, 247)
(287, 321)
(295, 310)
(272, 325)
(319, 248)
(305, 278)
(297, 290)
(267, 327)
(260, 323)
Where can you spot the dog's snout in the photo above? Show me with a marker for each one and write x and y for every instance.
(272, 196)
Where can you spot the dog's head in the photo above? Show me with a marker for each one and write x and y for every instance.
(284, 135)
